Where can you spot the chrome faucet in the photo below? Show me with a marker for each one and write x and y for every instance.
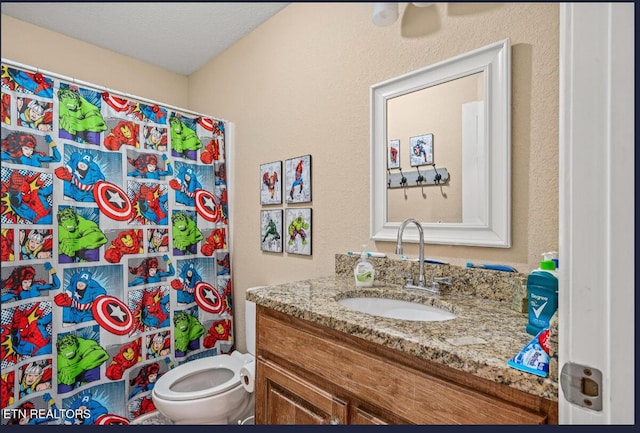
(434, 286)
(409, 283)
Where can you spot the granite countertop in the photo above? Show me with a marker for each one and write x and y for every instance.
(479, 341)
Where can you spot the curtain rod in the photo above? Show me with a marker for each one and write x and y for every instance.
(104, 89)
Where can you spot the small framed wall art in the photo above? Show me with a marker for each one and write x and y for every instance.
(394, 154)
(421, 150)
(271, 230)
(271, 183)
(298, 225)
(297, 173)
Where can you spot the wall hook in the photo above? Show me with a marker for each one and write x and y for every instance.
(420, 177)
(438, 177)
(403, 180)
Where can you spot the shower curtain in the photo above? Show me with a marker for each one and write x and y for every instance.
(115, 264)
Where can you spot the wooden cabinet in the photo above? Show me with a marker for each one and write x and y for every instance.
(292, 400)
(310, 374)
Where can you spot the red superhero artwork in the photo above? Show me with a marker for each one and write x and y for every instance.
(118, 107)
(128, 356)
(7, 251)
(26, 332)
(219, 331)
(26, 198)
(152, 113)
(123, 134)
(214, 150)
(145, 379)
(223, 199)
(220, 173)
(298, 179)
(6, 109)
(223, 265)
(394, 154)
(6, 389)
(26, 82)
(149, 203)
(224, 287)
(124, 242)
(150, 308)
(211, 152)
(142, 406)
(270, 180)
(218, 128)
(217, 240)
(113, 212)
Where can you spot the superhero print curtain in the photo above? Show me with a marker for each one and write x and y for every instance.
(115, 265)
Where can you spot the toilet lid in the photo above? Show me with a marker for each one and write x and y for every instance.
(199, 378)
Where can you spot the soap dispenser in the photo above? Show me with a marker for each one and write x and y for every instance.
(542, 294)
(363, 271)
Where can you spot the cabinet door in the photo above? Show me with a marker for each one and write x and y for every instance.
(362, 416)
(284, 398)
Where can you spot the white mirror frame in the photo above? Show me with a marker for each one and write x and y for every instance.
(495, 230)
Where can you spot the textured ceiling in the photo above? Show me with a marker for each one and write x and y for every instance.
(179, 37)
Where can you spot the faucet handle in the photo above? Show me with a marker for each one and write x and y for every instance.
(443, 280)
(408, 278)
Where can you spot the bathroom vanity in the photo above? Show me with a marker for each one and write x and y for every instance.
(319, 362)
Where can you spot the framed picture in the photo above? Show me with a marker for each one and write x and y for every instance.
(271, 230)
(297, 173)
(298, 227)
(394, 154)
(421, 150)
(271, 183)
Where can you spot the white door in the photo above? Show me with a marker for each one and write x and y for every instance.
(474, 181)
(596, 293)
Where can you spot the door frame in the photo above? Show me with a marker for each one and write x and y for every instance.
(596, 204)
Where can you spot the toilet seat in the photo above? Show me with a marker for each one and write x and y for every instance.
(199, 378)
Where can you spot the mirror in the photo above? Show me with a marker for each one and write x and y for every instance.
(462, 108)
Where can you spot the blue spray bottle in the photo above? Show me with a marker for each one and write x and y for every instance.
(542, 294)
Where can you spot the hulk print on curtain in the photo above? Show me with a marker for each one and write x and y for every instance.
(115, 265)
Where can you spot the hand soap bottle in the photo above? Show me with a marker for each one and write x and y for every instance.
(542, 295)
(363, 271)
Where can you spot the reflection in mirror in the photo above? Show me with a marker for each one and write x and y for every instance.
(462, 107)
(444, 110)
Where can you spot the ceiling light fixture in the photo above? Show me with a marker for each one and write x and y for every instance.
(385, 14)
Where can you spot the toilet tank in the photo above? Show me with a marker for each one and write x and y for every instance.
(250, 326)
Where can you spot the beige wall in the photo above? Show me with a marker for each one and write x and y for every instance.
(299, 84)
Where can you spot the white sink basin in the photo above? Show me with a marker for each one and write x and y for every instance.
(396, 309)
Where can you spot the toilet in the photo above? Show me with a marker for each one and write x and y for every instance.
(209, 390)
